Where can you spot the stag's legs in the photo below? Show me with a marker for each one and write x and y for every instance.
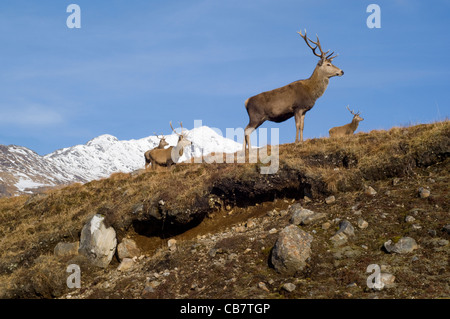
(248, 130)
(299, 124)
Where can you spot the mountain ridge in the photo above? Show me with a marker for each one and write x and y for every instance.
(24, 171)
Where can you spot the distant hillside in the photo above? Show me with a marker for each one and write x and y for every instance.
(226, 218)
(24, 171)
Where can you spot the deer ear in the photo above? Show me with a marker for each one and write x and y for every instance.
(320, 62)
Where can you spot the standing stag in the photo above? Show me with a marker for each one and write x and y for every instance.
(347, 129)
(294, 99)
(162, 144)
(169, 156)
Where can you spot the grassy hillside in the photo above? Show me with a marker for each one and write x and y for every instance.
(208, 206)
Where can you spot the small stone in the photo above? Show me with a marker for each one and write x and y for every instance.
(442, 242)
(289, 287)
(416, 227)
(330, 200)
(368, 190)
(409, 219)
(346, 227)
(66, 249)
(446, 229)
(307, 199)
(387, 279)
(126, 264)
(127, 249)
(273, 231)
(423, 192)
(172, 244)
(403, 246)
(362, 224)
(395, 181)
(239, 229)
(326, 225)
(339, 239)
(432, 233)
(283, 213)
(263, 286)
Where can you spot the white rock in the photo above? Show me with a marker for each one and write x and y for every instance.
(97, 242)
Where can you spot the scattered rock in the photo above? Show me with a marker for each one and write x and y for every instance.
(330, 199)
(307, 199)
(291, 250)
(423, 192)
(347, 252)
(409, 219)
(97, 242)
(302, 216)
(368, 190)
(239, 229)
(432, 232)
(263, 286)
(362, 224)
(273, 231)
(289, 287)
(446, 229)
(339, 239)
(403, 246)
(442, 242)
(346, 227)
(125, 264)
(326, 225)
(251, 224)
(172, 244)
(387, 279)
(127, 249)
(66, 249)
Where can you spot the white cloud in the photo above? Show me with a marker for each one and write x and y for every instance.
(30, 115)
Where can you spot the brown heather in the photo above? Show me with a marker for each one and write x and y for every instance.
(31, 226)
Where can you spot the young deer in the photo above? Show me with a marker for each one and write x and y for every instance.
(169, 156)
(347, 129)
(162, 144)
(294, 99)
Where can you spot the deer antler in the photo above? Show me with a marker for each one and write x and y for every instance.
(162, 135)
(181, 124)
(353, 112)
(322, 54)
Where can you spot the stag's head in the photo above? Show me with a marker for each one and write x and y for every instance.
(182, 140)
(325, 65)
(356, 116)
(162, 141)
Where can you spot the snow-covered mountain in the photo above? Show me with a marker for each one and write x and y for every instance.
(22, 170)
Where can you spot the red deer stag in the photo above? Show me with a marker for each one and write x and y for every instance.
(347, 129)
(294, 99)
(169, 156)
(162, 144)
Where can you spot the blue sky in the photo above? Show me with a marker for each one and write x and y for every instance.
(133, 66)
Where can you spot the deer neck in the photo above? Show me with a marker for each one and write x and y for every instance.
(354, 124)
(316, 84)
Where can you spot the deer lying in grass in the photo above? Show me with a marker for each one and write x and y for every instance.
(294, 99)
(162, 144)
(347, 129)
(169, 156)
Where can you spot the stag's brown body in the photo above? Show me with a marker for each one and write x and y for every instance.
(294, 99)
(347, 129)
(161, 145)
(165, 157)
